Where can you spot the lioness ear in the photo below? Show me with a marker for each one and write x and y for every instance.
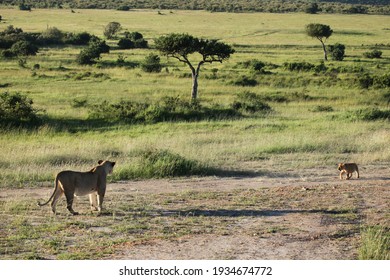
(113, 163)
(100, 162)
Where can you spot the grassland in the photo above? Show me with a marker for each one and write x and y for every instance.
(296, 135)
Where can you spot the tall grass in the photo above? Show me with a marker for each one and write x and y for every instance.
(375, 244)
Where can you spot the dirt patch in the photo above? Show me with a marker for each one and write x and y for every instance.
(288, 216)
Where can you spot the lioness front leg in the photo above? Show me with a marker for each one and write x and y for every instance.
(100, 199)
(93, 201)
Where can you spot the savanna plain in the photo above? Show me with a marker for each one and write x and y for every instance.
(250, 185)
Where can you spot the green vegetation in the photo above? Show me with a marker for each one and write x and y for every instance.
(232, 6)
(274, 99)
(375, 244)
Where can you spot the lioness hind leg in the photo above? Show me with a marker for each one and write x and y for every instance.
(57, 195)
(93, 201)
(349, 175)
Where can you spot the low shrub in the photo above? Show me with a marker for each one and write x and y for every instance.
(298, 66)
(322, 108)
(16, 110)
(151, 64)
(167, 109)
(373, 54)
(368, 114)
(155, 163)
(382, 81)
(365, 81)
(249, 102)
(337, 51)
(245, 81)
(92, 53)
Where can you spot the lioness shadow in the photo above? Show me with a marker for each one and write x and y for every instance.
(244, 213)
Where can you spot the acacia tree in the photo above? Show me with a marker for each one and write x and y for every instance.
(319, 31)
(181, 46)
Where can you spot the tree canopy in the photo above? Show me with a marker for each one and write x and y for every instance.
(319, 31)
(181, 46)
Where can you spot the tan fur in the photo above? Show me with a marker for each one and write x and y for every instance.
(74, 183)
(349, 169)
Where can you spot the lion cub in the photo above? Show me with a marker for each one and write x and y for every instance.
(348, 168)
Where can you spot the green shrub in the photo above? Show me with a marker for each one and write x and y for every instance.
(373, 54)
(125, 43)
(111, 29)
(322, 108)
(82, 38)
(337, 51)
(249, 102)
(16, 109)
(151, 64)
(382, 81)
(368, 114)
(154, 163)
(167, 109)
(23, 48)
(245, 81)
(298, 66)
(92, 53)
(51, 35)
(365, 80)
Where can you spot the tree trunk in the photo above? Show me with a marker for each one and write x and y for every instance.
(195, 75)
(194, 92)
(324, 48)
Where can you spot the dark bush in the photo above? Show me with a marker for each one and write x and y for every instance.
(365, 81)
(151, 64)
(82, 38)
(126, 44)
(92, 53)
(298, 66)
(245, 81)
(382, 81)
(167, 109)
(123, 8)
(16, 109)
(24, 7)
(368, 114)
(337, 51)
(249, 102)
(373, 54)
(134, 36)
(23, 48)
(51, 36)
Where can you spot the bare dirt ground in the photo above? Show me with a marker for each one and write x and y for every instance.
(303, 234)
(302, 216)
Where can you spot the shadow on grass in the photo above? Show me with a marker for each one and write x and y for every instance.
(245, 213)
(78, 125)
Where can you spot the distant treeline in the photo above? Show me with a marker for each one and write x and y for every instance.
(235, 6)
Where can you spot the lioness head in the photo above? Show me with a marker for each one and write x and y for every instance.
(341, 166)
(108, 165)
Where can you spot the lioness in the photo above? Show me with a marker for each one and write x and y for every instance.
(74, 183)
(348, 168)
